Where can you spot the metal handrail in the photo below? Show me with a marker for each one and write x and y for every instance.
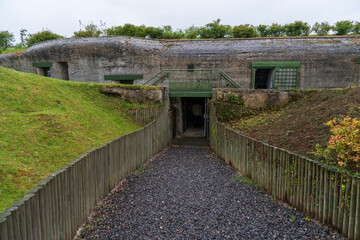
(10, 63)
(158, 77)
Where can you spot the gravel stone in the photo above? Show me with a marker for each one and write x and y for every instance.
(189, 193)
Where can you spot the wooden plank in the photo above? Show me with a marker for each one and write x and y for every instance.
(326, 197)
(345, 224)
(336, 200)
(317, 196)
(352, 214)
(22, 219)
(341, 203)
(357, 214)
(3, 226)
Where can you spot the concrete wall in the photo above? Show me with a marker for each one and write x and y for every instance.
(325, 62)
(254, 98)
(142, 96)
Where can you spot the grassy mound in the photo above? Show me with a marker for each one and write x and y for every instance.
(46, 123)
(299, 126)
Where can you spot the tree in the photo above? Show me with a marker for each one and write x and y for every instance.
(343, 27)
(276, 30)
(263, 30)
(215, 30)
(321, 29)
(42, 37)
(297, 28)
(22, 37)
(6, 39)
(356, 29)
(244, 31)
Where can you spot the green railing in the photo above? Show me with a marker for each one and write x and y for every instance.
(216, 77)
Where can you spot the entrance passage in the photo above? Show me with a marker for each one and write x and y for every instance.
(189, 193)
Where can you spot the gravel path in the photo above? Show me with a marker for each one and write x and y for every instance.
(189, 193)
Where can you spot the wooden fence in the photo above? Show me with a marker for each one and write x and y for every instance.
(323, 194)
(60, 204)
(145, 115)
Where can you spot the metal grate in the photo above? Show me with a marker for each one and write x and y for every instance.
(216, 77)
(286, 78)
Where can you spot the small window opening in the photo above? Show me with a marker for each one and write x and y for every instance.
(190, 67)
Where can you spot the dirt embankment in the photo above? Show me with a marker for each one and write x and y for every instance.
(299, 126)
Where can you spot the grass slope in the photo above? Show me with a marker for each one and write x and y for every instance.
(299, 126)
(46, 123)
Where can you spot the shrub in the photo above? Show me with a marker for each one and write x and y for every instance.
(215, 30)
(344, 143)
(322, 29)
(87, 33)
(244, 31)
(276, 30)
(263, 30)
(91, 30)
(297, 28)
(42, 37)
(343, 27)
(127, 30)
(192, 32)
(154, 32)
(169, 34)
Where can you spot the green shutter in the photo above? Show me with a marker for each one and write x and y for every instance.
(190, 89)
(121, 77)
(275, 64)
(42, 64)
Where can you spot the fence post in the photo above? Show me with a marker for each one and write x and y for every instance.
(357, 214)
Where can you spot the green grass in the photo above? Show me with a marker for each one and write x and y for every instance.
(10, 50)
(46, 123)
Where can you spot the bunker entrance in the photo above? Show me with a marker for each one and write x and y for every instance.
(191, 117)
(63, 70)
(264, 78)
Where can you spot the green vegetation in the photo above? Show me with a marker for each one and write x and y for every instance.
(320, 124)
(14, 50)
(46, 123)
(140, 169)
(42, 37)
(244, 31)
(242, 179)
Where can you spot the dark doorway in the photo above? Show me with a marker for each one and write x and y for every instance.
(194, 117)
(264, 78)
(44, 71)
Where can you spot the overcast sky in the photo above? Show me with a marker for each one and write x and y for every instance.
(62, 16)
